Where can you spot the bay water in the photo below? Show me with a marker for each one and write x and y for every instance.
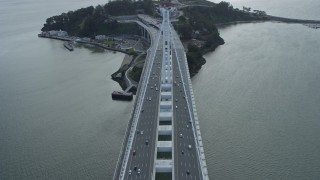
(258, 98)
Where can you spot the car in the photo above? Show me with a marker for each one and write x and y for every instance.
(142, 110)
(141, 132)
(130, 172)
(176, 107)
(188, 172)
(135, 168)
(189, 146)
(134, 152)
(176, 100)
(182, 152)
(147, 142)
(187, 126)
(180, 136)
(138, 132)
(139, 171)
(151, 87)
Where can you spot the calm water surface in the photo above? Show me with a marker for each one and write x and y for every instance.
(306, 9)
(57, 119)
(259, 110)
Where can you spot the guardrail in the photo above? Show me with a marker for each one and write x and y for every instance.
(192, 110)
(136, 110)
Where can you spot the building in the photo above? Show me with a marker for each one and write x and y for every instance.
(58, 33)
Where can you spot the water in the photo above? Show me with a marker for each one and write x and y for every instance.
(259, 110)
(57, 119)
(307, 9)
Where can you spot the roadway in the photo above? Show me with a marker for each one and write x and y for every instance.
(140, 162)
(186, 162)
(143, 158)
(138, 158)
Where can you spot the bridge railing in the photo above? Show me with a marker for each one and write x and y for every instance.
(192, 107)
(127, 143)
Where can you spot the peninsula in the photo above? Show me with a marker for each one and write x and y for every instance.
(117, 26)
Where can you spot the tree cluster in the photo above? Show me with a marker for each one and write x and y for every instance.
(195, 59)
(91, 21)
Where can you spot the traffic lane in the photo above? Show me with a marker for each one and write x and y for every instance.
(150, 108)
(136, 139)
(187, 160)
(142, 150)
(146, 121)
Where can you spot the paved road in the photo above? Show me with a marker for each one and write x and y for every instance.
(139, 104)
(186, 159)
(142, 154)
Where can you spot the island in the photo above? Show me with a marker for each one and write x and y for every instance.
(115, 26)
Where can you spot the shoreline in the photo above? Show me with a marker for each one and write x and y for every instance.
(127, 61)
(121, 75)
(272, 19)
(84, 42)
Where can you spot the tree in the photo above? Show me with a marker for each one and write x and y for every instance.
(247, 9)
(182, 19)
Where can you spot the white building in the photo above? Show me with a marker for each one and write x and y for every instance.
(101, 37)
(58, 33)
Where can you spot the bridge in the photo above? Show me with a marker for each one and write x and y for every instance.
(163, 139)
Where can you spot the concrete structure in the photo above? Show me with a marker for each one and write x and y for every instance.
(163, 139)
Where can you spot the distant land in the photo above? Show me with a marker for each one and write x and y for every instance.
(196, 24)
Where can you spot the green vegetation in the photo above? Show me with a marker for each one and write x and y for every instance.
(91, 21)
(108, 43)
(221, 13)
(135, 73)
(141, 58)
(195, 59)
(116, 28)
(199, 22)
(132, 52)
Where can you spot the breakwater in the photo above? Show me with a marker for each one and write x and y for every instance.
(83, 42)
